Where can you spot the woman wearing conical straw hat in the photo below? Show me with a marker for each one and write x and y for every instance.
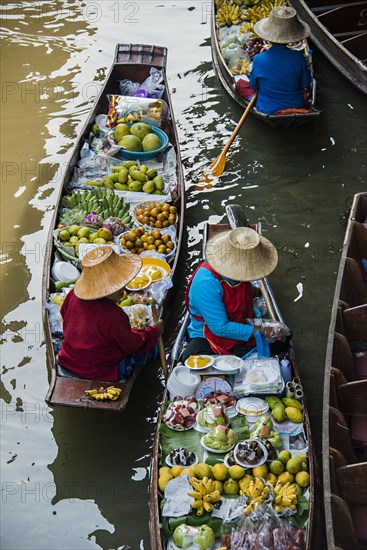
(279, 74)
(219, 295)
(99, 342)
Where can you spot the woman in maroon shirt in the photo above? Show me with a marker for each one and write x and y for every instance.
(99, 342)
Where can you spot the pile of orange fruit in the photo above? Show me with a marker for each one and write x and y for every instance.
(138, 240)
(157, 215)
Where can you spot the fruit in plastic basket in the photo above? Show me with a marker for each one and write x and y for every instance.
(120, 131)
(83, 233)
(131, 143)
(151, 142)
(104, 233)
(140, 130)
(73, 229)
(64, 235)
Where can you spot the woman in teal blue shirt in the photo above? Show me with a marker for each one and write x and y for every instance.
(280, 75)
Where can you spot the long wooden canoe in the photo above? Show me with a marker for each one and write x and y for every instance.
(228, 82)
(158, 524)
(132, 62)
(339, 30)
(345, 390)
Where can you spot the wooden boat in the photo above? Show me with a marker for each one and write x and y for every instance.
(228, 81)
(339, 30)
(345, 388)
(159, 526)
(132, 62)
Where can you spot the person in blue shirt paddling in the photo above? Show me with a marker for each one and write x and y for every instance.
(279, 74)
(219, 296)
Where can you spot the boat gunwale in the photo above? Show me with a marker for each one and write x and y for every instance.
(327, 374)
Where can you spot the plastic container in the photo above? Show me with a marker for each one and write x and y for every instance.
(64, 271)
(285, 370)
(142, 155)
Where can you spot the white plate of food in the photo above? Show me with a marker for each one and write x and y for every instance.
(181, 456)
(228, 364)
(199, 362)
(211, 450)
(252, 407)
(250, 453)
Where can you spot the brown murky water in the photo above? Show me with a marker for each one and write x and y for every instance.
(78, 480)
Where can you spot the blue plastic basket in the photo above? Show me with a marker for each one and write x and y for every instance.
(141, 155)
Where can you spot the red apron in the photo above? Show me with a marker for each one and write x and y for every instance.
(238, 302)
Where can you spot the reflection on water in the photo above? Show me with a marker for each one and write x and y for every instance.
(80, 480)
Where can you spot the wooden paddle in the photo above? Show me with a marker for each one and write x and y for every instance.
(216, 168)
(162, 353)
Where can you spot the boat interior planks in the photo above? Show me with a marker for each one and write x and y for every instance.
(339, 30)
(345, 389)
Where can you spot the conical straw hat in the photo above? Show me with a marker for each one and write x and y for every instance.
(282, 26)
(105, 272)
(241, 254)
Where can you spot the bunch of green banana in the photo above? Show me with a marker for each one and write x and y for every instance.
(285, 496)
(103, 394)
(204, 493)
(257, 492)
(229, 14)
(104, 202)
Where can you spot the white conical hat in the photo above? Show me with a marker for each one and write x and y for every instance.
(241, 254)
(282, 26)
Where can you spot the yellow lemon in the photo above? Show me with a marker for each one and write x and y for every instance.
(260, 471)
(284, 477)
(176, 470)
(236, 472)
(303, 479)
(220, 471)
(163, 480)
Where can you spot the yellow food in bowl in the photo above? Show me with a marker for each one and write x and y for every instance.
(197, 361)
(141, 281)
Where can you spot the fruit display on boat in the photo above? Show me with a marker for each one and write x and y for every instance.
(181, 414)
(155, 214)
(138, 240)
(110, 393)
(102, 202)
(131, 176)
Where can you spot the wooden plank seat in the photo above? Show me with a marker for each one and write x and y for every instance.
(344, 532)
(355, 323)
(352, 364)
(353, 288)
(340, 437)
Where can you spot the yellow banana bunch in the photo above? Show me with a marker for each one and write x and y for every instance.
(242, 66)
(103, 394)
(219, 3)
(229, 14)
(247, 27)
(256, 492)
(262, 10)
(244, 483)
(285, 496)
(204, 494)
